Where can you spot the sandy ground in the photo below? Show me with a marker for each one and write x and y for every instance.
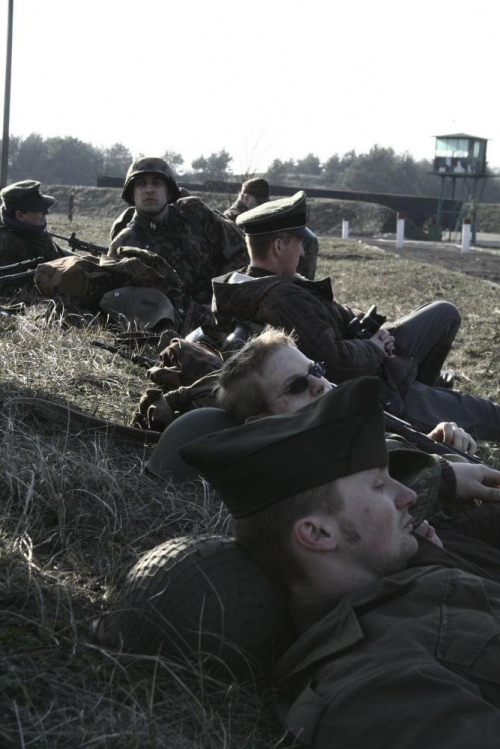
(482, 260)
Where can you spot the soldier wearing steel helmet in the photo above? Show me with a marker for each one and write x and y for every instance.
(195, 240)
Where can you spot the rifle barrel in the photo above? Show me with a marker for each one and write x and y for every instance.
(21, 264)
(423, 441)
(144, 361)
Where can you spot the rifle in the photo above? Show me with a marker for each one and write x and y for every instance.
(79, 244)
(422, 441)
(21, 265)
(18, 278)
(144, 361)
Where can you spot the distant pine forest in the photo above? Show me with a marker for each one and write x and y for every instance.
(70, 161)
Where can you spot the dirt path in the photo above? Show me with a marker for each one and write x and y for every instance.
(479, 263)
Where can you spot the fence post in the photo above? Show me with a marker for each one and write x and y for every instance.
(400, 231)
(466, 234)
(345, 228)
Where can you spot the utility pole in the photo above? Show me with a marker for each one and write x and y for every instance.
(6, 101)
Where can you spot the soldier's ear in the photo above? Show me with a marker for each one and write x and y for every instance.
(316, 532)
(277, 246)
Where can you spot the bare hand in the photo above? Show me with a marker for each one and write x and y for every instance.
(449, 433)
(384, 341)
(476, 482)
(428, 531)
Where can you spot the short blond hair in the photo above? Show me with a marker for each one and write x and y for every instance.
(240, 392)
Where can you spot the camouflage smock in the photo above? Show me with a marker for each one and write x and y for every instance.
(195, 240)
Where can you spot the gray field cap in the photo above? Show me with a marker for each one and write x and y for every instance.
(286, 214)
(25, 196)
(257, 187)
(137, 305)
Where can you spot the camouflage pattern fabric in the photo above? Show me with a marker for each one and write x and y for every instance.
(196, 241)
(236, 208)
(16, 247)
(307, 263)
(89, 278)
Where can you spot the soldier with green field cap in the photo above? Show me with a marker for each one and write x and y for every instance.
(23, 228)
(388, 625)
(197, 242)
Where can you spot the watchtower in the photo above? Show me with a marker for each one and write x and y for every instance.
(460, 163)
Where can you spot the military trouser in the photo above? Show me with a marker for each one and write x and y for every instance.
(426, 334)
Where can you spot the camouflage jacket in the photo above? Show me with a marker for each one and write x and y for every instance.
(17, 246)
(236, 208)
(320, 323)
(197, 242)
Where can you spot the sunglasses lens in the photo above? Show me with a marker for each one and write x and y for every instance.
(297, 386)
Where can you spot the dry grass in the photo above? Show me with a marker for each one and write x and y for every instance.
(77, 512)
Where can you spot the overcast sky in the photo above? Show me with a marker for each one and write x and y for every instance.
(263, 79)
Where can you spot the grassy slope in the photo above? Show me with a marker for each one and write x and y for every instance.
(325, 215)
(76, 514)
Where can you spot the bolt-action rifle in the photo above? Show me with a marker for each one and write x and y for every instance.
(144, 361)
(20, 266)
(80, 244)
(422, 441)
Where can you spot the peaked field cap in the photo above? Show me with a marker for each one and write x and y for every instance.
(26, 196)
(285, 214)
(255, 465)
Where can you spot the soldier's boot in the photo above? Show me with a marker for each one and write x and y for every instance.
(429, 370)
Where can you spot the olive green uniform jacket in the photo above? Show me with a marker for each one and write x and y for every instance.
(410, 662)
(17, 246)
(196, 241)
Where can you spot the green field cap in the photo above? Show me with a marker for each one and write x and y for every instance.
(25, 196)
(255, 465)
(286, 214)
(257, 187)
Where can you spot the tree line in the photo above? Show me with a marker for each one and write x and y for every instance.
(70, 161)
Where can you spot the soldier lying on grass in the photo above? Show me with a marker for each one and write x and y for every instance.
(271, 376)
(387, 623)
